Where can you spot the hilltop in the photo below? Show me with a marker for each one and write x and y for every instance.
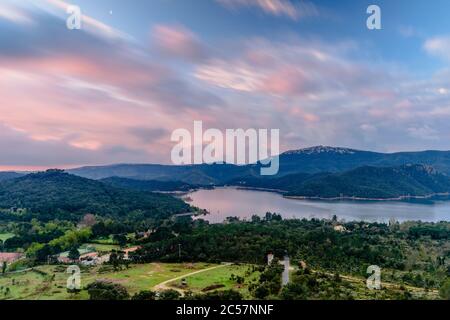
(55, 193)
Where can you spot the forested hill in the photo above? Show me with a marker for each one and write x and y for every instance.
(203, 174)
(374, 182)
(364, 182)
(7, 175)
(55, 193)
(148, 185)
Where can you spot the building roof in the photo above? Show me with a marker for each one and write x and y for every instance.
(10, 256)
(132, 249)
(89, 255)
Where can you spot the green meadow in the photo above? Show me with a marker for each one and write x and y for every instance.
(49, 282)
(5, 236)
(220, 279)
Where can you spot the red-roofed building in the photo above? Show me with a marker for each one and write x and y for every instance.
(10, 257)
(128, 250)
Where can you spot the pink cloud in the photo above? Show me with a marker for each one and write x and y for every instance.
(179, 42)
(287, 8)
(14, 14)
(285, 81)
(87, 100)
(109, 70)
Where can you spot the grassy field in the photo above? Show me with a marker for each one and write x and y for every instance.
(101, 247)
(6, 236)
(107, 240)
(49, 282)
(34, 285)
(200, 282)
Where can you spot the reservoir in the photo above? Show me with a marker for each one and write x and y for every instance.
(226, 202)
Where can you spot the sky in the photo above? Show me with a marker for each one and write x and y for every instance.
(114, 91)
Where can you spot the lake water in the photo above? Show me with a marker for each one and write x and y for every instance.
(226, 202)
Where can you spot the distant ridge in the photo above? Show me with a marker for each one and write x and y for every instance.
(7, 175)
(321, 149)
(149, 185)
(412, 180)
(308, 160)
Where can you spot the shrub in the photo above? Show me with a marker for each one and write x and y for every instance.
(144, 295)
(103, 290)
(169, 295)
(444, 292)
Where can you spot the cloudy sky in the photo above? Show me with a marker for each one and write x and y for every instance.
(114, 91)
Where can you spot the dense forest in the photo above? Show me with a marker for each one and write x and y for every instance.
(422, 249)
(149, 185)
(55, 194)
(364, 182)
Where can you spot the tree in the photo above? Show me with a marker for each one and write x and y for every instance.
(104, 290)
(225, 295)
(444, 291)
(169, 295)
(42, 254)
(261, 292)
(144, 295)
(120, 239)
(99, 229)
(88, 220)
(116, 259)
(255, 218)
(74, 254)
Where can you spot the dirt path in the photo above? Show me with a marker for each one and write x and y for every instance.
(165, 285)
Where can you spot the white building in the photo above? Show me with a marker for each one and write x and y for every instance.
(269, 258)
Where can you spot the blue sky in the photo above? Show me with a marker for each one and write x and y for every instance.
(405, 23)
(137, 70)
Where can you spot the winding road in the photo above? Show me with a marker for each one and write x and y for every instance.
(165, 285)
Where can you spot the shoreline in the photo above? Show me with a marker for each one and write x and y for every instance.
(429, 196)
(260, 189)
(345, 198)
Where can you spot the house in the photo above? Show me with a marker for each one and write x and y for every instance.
(302, 265)
(89, 259)
(10, 257)
(127, 251)
(62, 259)
(144, 234)
(339, 228)
(269, 258)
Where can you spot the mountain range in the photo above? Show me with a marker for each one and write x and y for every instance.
(325, 172)
(310, 160)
